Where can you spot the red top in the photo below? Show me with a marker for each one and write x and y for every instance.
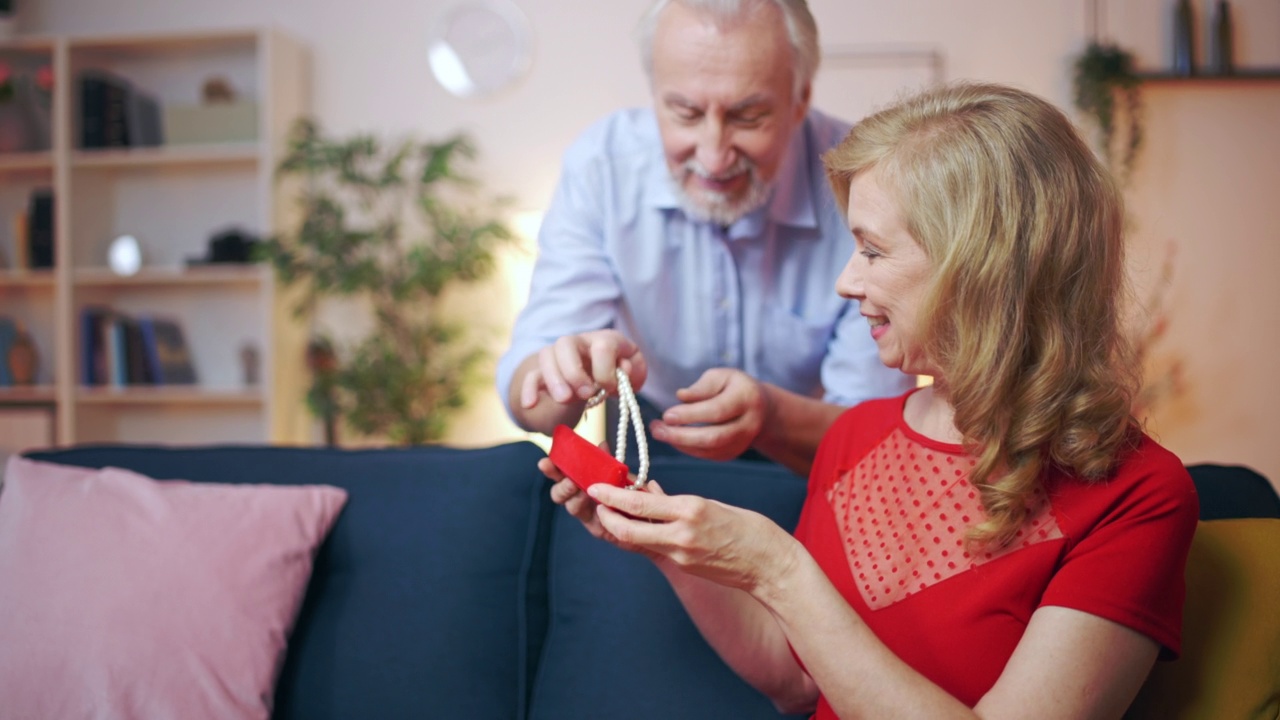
(885, 519)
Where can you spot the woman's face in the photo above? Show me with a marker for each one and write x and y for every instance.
(887, 274)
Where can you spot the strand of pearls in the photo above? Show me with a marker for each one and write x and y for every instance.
(628, 413)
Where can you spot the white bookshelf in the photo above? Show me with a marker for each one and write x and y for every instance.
(173, 198)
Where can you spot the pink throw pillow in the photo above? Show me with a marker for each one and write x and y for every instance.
(127, 597)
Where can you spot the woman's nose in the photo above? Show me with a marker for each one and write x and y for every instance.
(849, 283)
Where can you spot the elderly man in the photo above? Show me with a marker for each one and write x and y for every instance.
(694, 244)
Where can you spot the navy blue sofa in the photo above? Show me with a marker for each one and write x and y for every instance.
(451, 587)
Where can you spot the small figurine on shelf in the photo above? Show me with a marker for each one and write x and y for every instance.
(250, 363)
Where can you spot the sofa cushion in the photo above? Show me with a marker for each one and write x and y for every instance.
(619, 644)
(1230, 664)
(127, 597)
(415, 606)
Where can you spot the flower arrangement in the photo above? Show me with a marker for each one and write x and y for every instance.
(41, 79)
(26, 98)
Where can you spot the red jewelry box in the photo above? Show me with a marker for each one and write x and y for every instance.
(584, 463)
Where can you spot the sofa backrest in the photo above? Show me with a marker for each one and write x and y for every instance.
(451, 587)
(419, 597)
(1230, 664)
(618, 644)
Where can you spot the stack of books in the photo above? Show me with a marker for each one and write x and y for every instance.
(115, 113)
(120, 350)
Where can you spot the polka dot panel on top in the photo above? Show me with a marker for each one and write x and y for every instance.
(902, 514)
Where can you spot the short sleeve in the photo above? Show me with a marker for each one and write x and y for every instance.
(1129, 567)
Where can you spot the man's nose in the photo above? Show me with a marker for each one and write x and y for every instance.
(715, 150)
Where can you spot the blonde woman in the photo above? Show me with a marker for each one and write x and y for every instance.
(1004, 543)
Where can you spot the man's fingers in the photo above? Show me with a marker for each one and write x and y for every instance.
(706, 386)
(568, 356)
(552, 377)
(604, 356)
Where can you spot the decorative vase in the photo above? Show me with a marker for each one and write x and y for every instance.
(23, 359)
(1221, 42)
(13, 126)
(1184, 51)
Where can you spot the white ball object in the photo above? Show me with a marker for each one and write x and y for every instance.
(125, 255)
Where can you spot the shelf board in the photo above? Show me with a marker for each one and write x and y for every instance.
(1240, 75)
(27, 395)
(185, 395)
(224, 274)
(27, 43)
(26, 278)
(164, 155)
(26, 161)
(184, 43)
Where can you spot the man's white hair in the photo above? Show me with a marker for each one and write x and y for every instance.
(802, 31)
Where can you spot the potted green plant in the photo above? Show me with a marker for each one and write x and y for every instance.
(390, 227)
(1106, 89)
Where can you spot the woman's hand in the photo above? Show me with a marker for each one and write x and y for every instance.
(728, 545)
(565, 492)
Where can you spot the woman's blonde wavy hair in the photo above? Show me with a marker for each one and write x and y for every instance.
(1024, 314)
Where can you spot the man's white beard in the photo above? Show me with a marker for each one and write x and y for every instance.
(720, 208)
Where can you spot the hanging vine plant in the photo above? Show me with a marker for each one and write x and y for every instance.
(1107, 90)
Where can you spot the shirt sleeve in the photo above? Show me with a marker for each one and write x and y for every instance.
(1130, 566)
(573, 288)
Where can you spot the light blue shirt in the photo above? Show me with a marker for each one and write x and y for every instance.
(617, 251)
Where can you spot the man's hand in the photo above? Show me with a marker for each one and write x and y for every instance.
(719, 417)
(552, 386)
(727, 411)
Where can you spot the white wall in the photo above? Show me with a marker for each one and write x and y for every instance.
(1209, 183)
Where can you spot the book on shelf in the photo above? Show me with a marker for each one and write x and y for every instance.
(115, 113)
(21, 259)
(8, 333)
(94, 320)
(167, 352)
(127, 362)
(39, 229)
(120, 350)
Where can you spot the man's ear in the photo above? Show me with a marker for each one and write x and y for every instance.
(802, 105)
